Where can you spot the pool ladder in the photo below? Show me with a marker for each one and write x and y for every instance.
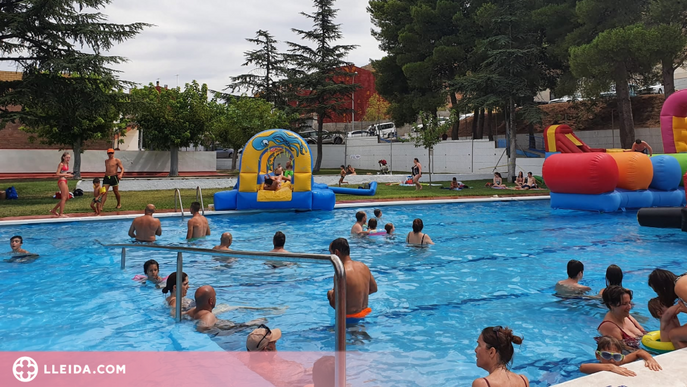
(177, 199)
(339, 285)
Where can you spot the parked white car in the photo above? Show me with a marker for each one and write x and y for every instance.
(567, 98)
(310, 136)
(358, 133)
(653, 89)
(384, 130)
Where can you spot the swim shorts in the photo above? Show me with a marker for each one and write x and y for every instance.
(111, 180)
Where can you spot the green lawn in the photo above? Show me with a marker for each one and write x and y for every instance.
(35, 196)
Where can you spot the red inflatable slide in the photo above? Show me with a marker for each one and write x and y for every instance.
(560, 138)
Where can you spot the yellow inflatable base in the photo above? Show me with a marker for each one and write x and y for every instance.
(652, 340)
(283, 194)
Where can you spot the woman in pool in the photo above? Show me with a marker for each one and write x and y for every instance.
(171, 287)
(62, 176)
(670, 288)
(614, 277)
(416, 237)
(618, 323)
(416, 171)
(494, 352)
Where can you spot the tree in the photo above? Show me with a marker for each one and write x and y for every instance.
(271, 66)
(171, 118)
(668, 18)
(377, 109)
(239, 119)
(319, 77)
(430, 135)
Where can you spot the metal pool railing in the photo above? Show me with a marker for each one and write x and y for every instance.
(339, 284)
(177, 196)
(199, 194)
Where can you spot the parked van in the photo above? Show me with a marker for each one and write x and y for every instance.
(384, 130)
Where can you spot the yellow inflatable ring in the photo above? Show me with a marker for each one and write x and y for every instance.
(652, 340)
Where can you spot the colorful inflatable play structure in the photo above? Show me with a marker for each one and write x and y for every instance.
(300, 192)
(607, 180)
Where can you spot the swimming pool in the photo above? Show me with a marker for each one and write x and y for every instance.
(494, 264)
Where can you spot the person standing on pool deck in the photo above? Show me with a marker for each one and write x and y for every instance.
(198, 226)
(360, 220)
(416, 171)
(359, 281)
(62, 176)
(224, 241)
(494, 352)
(205, 302)
(112, 177)
(145, 228)
(571, 285)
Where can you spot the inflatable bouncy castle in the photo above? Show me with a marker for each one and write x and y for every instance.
(299, 192)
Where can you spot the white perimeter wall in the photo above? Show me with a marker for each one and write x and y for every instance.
(46, 161)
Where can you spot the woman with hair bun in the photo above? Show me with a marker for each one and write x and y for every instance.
(494, 353)
(171, 287)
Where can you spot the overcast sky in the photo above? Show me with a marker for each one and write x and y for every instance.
(205, 40)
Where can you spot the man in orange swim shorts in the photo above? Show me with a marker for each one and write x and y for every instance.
(359, 281)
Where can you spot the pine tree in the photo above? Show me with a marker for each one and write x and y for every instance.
(318, 76)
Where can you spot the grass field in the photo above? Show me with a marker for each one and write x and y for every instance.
(35, 197)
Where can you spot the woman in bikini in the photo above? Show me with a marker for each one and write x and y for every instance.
(618, 323)
(416, 171)
(62, 176)
(498, 181)
(416, 237)
(519, 181)
(494, 352)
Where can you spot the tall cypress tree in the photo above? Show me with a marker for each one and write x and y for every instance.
(318, 76)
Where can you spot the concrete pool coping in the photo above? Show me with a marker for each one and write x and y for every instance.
(162, 214)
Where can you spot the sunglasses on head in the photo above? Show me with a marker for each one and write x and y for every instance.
(267, 332)
(606, 355)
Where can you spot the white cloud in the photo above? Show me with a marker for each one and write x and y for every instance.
(205, 40)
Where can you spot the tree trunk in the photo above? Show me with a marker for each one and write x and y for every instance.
(174, 161)
(456, 123)
(490, 127)
(668, 74)
(318, 161)
(480, 124)
(627, 126)
(429, 167)
(76, 169)
(475, 116)
(513, 137)
(530, 131)
(234, 157)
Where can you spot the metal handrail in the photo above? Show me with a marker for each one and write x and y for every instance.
(199, 192)
(177, 195)
(339, 285)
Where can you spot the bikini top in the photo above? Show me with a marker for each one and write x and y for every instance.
(422, 241)
(65, 167)
(630, 341)
(489, 385)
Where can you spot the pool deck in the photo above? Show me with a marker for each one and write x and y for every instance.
(118, 215)
(674, 373)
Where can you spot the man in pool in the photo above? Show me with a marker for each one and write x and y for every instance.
(278, 241)
(359, 281)
(146, 227)
(113, 174)
(15, 244)
(205, 302)
(198, 226)
(571, 285)
(224, 242)
(361, 219)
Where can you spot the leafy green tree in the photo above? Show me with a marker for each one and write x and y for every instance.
(429, 134)
(668, 18)
(377, 109)
(318, 76)
(269, 64)
(171, 119)
(239, 119)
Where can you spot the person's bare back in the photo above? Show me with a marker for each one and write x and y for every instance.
(198, 226)
(359, 280)
(146, 227)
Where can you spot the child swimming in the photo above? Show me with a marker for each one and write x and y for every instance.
(610, 357)
(667, 316)
(152, 270)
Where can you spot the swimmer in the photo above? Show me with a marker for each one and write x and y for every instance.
(171, 287)
(357, 229)
(667, 316)
(359, 280)
(494, 352)
(389, 227)
(205, 302)
(263, 339)
(378, 214)
(146, 227)
(571, 285)
(416, 237)
(198, 226)
(152, 270)
(372, 226)
(15, 244)
(224, 242)
(98, 193)
(614, 276)
(264, 361)
(610, 357)
(278, 241)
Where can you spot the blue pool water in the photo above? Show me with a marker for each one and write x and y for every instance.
(494, 264)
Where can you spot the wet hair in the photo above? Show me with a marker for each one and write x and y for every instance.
(340, 244)
(613, 296)
(195, 207)
(21, 240)
(323, 372)
(372, 224)
(502, 340)
(96, 180)
(574, 268)
(65, 154)
(614, 276)
(638, 141)
(655, 307)
(149, 263)
(418, 225)
(172, 281)
(604, 343)
(279, 239)
(378, 212)
(388, 227)
(360, 215)
(663, 283)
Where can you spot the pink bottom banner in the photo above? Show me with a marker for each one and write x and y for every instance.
(75, 369)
